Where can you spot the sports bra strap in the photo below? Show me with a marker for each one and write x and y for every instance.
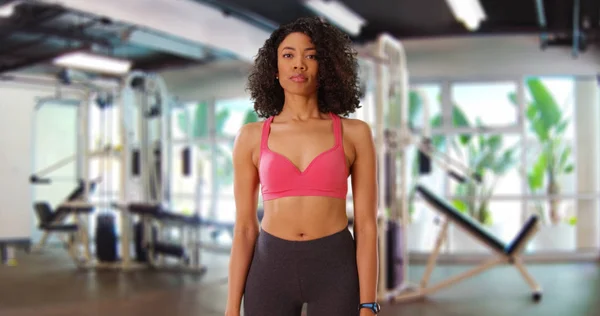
(337, 129)
(264, 141)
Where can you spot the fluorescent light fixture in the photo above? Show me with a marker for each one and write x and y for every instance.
(469, 12)
(167, 43)
(337, 13)
(94, 63)
(8, 9)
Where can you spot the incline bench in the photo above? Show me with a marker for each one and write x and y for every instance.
(505, 253)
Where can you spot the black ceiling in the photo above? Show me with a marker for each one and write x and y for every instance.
(430, 18)
(40, 31)
(37, 32)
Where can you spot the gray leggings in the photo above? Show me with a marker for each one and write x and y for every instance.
(285, 274)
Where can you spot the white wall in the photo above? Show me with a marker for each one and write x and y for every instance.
(55, 138)
(17, 102)
(220, 80)
(458, 57)
(493, 57)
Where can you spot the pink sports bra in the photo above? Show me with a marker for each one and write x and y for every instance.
(326, 175)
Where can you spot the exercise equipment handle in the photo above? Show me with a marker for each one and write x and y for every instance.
(462, 179)
(37, 180)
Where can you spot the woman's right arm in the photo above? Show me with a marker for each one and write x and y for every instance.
(246, 184)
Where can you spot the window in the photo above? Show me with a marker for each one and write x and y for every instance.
(422, 95)
(190, 121)
(550, 135)
(494, 156)
(485, 103)
(183, 121)
(232, 114)
(552, 112)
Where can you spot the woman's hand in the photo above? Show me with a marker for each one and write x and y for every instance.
(234, 312)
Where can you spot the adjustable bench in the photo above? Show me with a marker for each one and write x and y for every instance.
(53, 222)
(505, 253)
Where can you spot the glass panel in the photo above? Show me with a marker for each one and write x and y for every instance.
(184, 118)
(423, 227)
(547, 115)
(204, 170)
(551, 137)
(231, 114)
(505, 221)
(366, 112)
(496, 159)
(425, 95)
(485, 103)
(190, 120)
(560, 237)
(494, 156)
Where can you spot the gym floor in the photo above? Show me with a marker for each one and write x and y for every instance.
(48, 284)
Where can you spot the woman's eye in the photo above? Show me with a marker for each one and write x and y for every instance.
(287, 55)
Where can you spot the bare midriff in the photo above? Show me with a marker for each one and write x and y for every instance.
(304, 217)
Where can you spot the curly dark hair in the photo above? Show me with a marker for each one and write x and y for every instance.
(338, 86)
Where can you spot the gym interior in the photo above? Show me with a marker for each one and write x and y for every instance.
(117, 177)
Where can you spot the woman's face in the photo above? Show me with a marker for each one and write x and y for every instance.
(297, 65)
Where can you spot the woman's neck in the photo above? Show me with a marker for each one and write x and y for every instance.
(297, 107)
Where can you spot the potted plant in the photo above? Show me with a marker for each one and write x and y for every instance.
(485, 156)
(553, 161)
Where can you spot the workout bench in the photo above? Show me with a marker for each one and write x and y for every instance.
(505, 253)
(187, 251)
(52, 222)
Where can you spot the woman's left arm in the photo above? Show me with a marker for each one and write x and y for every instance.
(364, 191)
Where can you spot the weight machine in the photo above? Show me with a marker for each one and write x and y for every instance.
(143, 152)
(70, 218)
(147, 162)
(393, 136)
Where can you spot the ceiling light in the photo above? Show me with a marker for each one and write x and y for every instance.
(94, 63)
(469, 12)
(8, 9)
(337, 13)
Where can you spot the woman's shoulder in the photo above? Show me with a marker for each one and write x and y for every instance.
(356, 128)
(250, 131)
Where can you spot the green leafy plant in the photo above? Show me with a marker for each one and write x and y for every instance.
(438, 142)
(548, 123)
(486, 157)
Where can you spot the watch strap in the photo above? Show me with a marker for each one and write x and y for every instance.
(374, 307)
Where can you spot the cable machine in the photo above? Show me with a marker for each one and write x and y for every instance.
(393, 135)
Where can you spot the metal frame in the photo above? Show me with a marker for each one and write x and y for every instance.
(146, 136)
(425, 289)
(395, 136)
(519, 129)
(76, 94)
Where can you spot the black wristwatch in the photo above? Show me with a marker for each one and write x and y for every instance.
(374, 307)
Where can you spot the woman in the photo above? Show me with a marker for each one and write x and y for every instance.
(304, 79)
